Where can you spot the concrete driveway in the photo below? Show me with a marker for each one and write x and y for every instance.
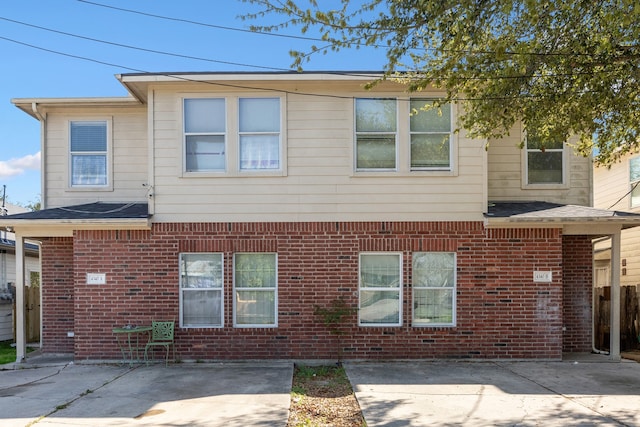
(590, 392)
(230, 395)
(568, 393)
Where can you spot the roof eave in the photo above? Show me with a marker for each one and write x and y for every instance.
(137, 83)
(66, 227)
(31, 105)
(577, 225)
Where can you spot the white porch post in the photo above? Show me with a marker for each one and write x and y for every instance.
(614, 332)
(21, 335)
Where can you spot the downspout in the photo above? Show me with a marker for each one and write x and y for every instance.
(594, 297)
(43, 152)
(151, 152)
(614, 334)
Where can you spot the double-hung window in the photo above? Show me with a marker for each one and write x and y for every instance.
(259, 133)
(634, 181)
(430, 130)
(545, 163)
(205, 134)
(376, 134)
(434, 288)
(88, 154)
(380, 289)
(201, 290)
(255, 287)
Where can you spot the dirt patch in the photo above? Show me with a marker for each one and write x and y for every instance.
(321, 396)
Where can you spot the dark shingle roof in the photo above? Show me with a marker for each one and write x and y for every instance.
(97, 210)
(552, 211)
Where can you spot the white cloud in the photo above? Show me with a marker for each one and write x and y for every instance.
(14, 167)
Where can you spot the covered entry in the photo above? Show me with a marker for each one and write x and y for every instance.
(58, 225)
(581, 226)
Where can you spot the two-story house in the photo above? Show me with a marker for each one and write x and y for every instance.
(239, 203)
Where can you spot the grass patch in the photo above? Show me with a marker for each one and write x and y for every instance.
(8, 353)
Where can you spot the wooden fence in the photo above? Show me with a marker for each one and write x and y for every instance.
(629, 317)
(32, 314)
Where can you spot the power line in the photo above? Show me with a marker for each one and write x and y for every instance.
(202, 24)
(316, 39)
(633, 187)
(159, 52)
(178, 76)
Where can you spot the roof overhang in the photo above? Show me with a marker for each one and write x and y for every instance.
(63, 221)
(138, 83)
(572, 219)
(35, 106)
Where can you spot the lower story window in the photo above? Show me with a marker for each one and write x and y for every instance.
(201, 284)
(434, 288)
(255, 288)
(380, 285)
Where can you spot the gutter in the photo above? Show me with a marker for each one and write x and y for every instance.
(43, 153)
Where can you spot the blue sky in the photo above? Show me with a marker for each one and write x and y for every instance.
(32, 69)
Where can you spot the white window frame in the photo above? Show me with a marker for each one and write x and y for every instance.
(634, 183)
(363, 288)
(186, 134)
(417, 287)
(184, 290)
(403, 143)
(278, 134)
(449, 133)
(232, 138)
(387, 133)
(542, 185)
(237, 289)
(108, 186)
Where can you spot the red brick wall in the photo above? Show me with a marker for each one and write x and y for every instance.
(57, 294)
(501, 312)
(577, 293)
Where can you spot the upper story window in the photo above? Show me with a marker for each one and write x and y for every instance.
(231, 134)
(402, 135)
(259, 130)
(89, 154)
(205, 134)
(634, 181)
(376, 134)
(545, 164)
(430, 136)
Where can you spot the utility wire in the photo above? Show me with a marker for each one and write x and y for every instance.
(315, 39)
(202, 24)
(633, 187)
(196, 58)
(159, 52)
(179, 76)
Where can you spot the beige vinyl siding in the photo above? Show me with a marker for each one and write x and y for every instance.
(611, 186)
(319, 182)
(630, 252)
(505, 175)
(611, 191)
(128, 155)
(31, 263)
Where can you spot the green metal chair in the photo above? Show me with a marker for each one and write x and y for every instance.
(161, 336)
